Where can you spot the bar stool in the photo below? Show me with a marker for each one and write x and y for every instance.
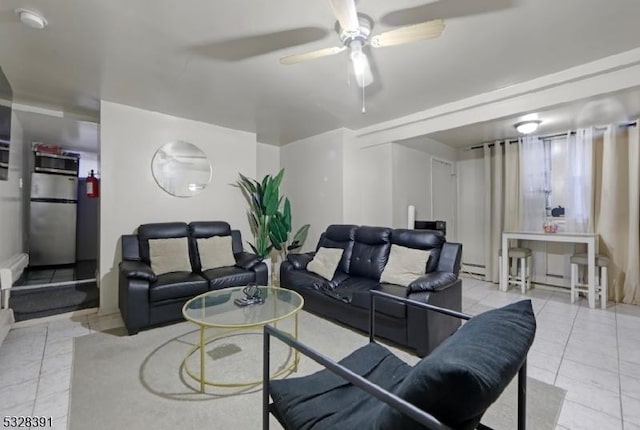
(602, 262)
(523, 275)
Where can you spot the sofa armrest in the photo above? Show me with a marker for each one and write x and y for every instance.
(137, 270)
(434, 281)
(246, 260)
(450, 256)
(300, 261)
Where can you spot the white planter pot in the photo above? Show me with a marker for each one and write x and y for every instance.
(269, 264)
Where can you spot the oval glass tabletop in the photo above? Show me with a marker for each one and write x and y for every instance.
(218, 308)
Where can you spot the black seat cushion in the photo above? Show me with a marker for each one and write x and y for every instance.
(176, 285)
(298, 401)
(461, 378)
(357, 290)
(230, 276)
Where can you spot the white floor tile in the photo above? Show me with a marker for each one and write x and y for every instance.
(603, 379)
(13, 395)
(631, 410)
(19, 410)
(54, 382)
(56, 363)
(53, 405)
(591, 396)
(630, 387)
(541, 374)
(628, 368)
(589, 358)
(17, 372)
(575, 416)
(62, 346)
(540, 344)
(547, 362)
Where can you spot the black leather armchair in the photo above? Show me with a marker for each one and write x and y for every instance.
(345, 298)
(148, 299)
(450, 389)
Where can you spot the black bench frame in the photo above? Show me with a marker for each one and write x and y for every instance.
(420, 416)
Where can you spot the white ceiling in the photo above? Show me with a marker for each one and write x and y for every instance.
(217, 61)
(70, 134)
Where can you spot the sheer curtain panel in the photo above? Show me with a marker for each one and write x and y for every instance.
(579, 211)
(533, 183)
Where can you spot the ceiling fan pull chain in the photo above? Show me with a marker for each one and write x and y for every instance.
(364, 109)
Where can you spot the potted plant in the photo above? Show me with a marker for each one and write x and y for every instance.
(270, 225)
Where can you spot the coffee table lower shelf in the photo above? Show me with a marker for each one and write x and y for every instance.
(204, 341)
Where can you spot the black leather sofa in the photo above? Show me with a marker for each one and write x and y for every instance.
(346, 297)
(146, 299)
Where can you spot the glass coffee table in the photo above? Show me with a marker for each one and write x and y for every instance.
(217, 309)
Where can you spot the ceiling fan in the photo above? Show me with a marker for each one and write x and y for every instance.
(354, 31)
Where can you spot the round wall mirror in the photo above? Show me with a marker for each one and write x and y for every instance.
(181, 169)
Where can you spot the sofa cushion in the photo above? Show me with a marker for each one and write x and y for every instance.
(421, 239)
(203, 229)
(463, 376)
(177, 285)
(405, 265)
(231, 276)
(215, 252)
(339, 236)
(357, 291)
(325, 262)
(370, 252)
(298, 400)
(169, 255)
(161, 230)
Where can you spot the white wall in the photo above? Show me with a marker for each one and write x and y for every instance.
(411, 184)
(313, 181)
(268, 160)
(376, 192)
(11, 199)
(130, 196)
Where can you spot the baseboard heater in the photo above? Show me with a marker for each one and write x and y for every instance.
(10, 271)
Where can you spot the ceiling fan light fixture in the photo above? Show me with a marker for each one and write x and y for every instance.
(360, 62)
(31, 18)
(527, 127)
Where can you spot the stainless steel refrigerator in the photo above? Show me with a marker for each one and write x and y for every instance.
(52, 227)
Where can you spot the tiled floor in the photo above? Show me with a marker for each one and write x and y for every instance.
(81, 270)
(593, 354)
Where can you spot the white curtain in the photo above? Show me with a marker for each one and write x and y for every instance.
(533, 182)
(617, 211)
(502, 205)
(579, 211)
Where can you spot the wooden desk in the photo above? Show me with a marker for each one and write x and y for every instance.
(590, 239)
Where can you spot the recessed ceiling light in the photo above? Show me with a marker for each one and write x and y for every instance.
(527, 127)
(31, 18)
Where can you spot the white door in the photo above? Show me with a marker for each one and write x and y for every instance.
(443, 195)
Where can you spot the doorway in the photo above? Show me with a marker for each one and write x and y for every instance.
(443, 194)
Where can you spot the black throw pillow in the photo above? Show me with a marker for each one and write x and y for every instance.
(463, 376)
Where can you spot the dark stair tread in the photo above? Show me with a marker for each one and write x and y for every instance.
(41, 302)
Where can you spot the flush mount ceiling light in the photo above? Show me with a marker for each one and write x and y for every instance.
(527, 127)
(31, 18)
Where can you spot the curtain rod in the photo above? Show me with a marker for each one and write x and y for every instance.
(556, 135)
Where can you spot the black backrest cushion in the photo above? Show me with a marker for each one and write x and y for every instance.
(203, 230)
(463, 376)
(162, 230)
(431, 240)
(370, 252)
(339, 236)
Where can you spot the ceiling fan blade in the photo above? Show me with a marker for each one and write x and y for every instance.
(347, 15)
(411, 33)
(298, 58)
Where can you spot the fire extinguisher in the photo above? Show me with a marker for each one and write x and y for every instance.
(93, 190)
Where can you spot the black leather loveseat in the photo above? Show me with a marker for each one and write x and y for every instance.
(346, 297)
(147, 299)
